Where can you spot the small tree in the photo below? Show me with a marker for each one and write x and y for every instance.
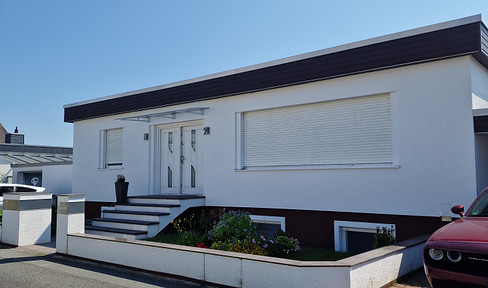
(384, 237)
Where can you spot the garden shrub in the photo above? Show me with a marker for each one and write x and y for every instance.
(219, 245)
(384, 237)
(185, 227)
(285, 245)
(232, 227)
(248, 248)
(190, 238)
(232, 231)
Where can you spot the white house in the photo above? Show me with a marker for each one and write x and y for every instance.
(331, 144)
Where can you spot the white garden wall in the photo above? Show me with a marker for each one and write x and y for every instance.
(373, 269)
(432, 133)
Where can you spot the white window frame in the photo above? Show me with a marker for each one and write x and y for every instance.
(342, 227)
(269, 220)
(239, 145)
(103, 150)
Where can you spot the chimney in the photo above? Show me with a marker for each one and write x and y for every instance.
(15, 138)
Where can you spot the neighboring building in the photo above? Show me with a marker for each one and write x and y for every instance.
(3, 132)
(331, 143)
(46, 166)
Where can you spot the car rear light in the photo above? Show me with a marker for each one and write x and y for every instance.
(454, 256)
(436, 254)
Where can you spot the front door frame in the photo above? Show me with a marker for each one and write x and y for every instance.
(155, 156)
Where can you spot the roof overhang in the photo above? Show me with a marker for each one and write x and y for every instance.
(480, 120)
(466, 36)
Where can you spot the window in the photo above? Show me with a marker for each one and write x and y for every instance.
(356, 237)
(341, 132)
(268, 225)
(112, 148)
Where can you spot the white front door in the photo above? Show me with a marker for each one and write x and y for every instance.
(181, 160)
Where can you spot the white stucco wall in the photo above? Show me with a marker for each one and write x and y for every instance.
(55, 178)
(432, 129)
(4, 168)
(479, 85)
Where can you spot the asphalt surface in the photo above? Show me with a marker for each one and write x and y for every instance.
(38, 266)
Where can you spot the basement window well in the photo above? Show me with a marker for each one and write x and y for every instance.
(356, 237)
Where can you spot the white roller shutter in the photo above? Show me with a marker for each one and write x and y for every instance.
(113, 147)
(349, 131)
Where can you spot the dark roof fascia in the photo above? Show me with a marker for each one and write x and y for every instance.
(435, 45)
(35, 149)
(482, 55)
(480, 123)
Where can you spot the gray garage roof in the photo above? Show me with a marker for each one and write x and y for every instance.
(30, 155)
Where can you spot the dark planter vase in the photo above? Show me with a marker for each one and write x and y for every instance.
(121, 189)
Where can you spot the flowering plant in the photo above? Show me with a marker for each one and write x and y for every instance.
(263, 242)
(120, 178)
(286, 245)
(202, 245)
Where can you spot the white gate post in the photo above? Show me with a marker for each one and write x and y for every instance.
(70, 219)
(26, 218)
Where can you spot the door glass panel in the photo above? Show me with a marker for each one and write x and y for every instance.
(170, 177)
(194, 139)
(170, 141)
(193, 176)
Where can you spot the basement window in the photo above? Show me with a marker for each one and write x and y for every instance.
(268, 225)
(356, 237)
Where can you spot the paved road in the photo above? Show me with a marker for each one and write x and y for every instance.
(33, 268)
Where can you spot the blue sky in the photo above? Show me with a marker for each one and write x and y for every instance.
(57, 52)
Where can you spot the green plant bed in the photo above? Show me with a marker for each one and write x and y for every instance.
(305, 254)
(234, 231)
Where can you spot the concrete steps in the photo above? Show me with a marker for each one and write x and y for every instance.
(143, 216)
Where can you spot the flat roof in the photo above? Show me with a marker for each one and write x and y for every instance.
(465, 36)
(31, 155)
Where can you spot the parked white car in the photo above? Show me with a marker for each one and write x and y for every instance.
(7, 188)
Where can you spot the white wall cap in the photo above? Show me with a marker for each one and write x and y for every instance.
(71, 197)
(480, 112)
(26, 196)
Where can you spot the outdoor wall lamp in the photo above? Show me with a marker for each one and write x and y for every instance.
(146, 136)
(206, 130)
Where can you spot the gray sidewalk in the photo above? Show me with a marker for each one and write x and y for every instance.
(38, 266)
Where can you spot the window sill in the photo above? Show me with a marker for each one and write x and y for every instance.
(111, 168)
(320, 167)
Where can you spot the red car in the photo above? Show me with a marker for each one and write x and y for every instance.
(456, 255)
